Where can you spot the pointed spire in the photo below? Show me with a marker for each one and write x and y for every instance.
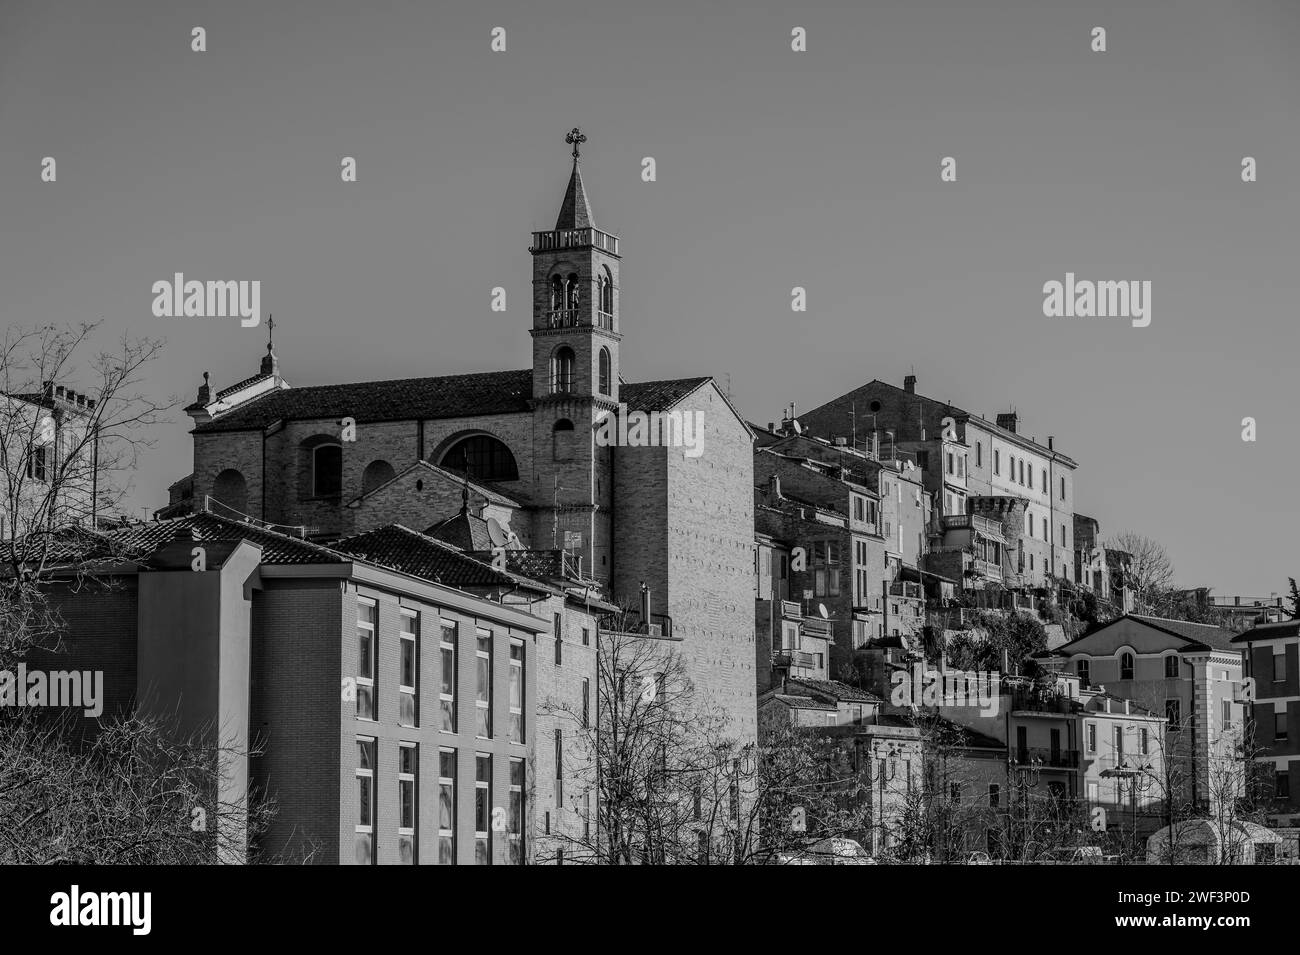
(575, 212)
(270, 363)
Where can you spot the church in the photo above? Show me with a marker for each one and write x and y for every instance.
(510, 459)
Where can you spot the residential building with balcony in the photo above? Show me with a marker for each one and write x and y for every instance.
(1189, 672)
(999, 462)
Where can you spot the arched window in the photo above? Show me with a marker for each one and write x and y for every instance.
(562, 370)
(557, 293)
(571, 290)
(604, 371)
(327, 470)
(1126, 666)
(231, 489)
(606, 298)
(377, 474)
(562, 436)
(481, 456)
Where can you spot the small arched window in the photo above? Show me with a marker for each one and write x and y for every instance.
(562, 370)
(604, 371)
(606, 297)
(571, 289)
(1126, 666)
(327, 470)
(557, 293)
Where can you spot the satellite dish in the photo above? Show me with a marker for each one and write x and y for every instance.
(496, 533)
(825, 614)
(795, 426)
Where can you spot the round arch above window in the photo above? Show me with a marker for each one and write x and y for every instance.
(482, 457)
(376, 474)
(231, 489)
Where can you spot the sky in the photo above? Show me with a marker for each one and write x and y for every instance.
(775, 169)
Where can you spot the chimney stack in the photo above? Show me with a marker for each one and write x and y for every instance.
(1009, 420)
(909, 384)
(1051, 443)
(645, 605)
(774, 487)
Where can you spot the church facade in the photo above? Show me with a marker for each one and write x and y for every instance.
(528, 449)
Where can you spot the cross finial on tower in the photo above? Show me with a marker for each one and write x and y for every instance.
(270, 331)
(575, 138)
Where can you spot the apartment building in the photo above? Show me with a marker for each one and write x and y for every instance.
(965, 458)
(395, 717)
(1189, 672)
(1272, 660)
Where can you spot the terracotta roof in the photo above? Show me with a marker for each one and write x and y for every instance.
(140, 541)
(1269, 631)
(802, 702)
(1200, 635)
(482, 489)
(420, 555)
(464, 531)
(403, 399)
(833, 689)
(241, 384)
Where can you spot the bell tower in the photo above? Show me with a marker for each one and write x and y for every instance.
(575, 334)
(575, 299)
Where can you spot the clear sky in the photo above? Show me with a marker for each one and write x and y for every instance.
(775, 169)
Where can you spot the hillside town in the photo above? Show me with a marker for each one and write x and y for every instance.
(553, 616)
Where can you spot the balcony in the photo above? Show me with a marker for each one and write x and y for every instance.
(1040, 757)
(981, 525)
(905, 588)
(986, 569)
(790, 610)
(574, 239)
(659, 626)
(794, 658)
(1042, 701)
(817, 627)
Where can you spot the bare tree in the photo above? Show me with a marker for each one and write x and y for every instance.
(1151, 571)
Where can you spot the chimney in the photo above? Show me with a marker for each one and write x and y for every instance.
(1051, 443)
(774, 487)
(771, 426)
(1009, 420)
(645, 604)
(909, 384)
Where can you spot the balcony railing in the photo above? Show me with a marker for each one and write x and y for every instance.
(660, 625)
(574, 238)
(1042, 701)
(798, 658)
(904, 588)
(817, 627)
(1045, 758)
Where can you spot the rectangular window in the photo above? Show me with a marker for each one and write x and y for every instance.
(961, 465)
(997, 461)
(1282, 785)
(482, 809)
(1119, 740)
(1092, 737)
(586, 637)
(36, 463)
(408, 762)
(483, 672)
(952, 468)
(446, 807)
(367, 707)
(995, 795)
(1171, 667)
(559, 768)
(1063, 489)
(365, 840)
(1173, 713)
(1279, 665)
(1045, 489)
(1227, 713)
(408, 708)
(1144, 741)
(1279, 724)
(979, 455)
(859, 508)
(1084, 669)
(515, 833)
(516, 691)
(586, 702)
(559, 640)
(1022, 472)
(447, 694)
(826, 568)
